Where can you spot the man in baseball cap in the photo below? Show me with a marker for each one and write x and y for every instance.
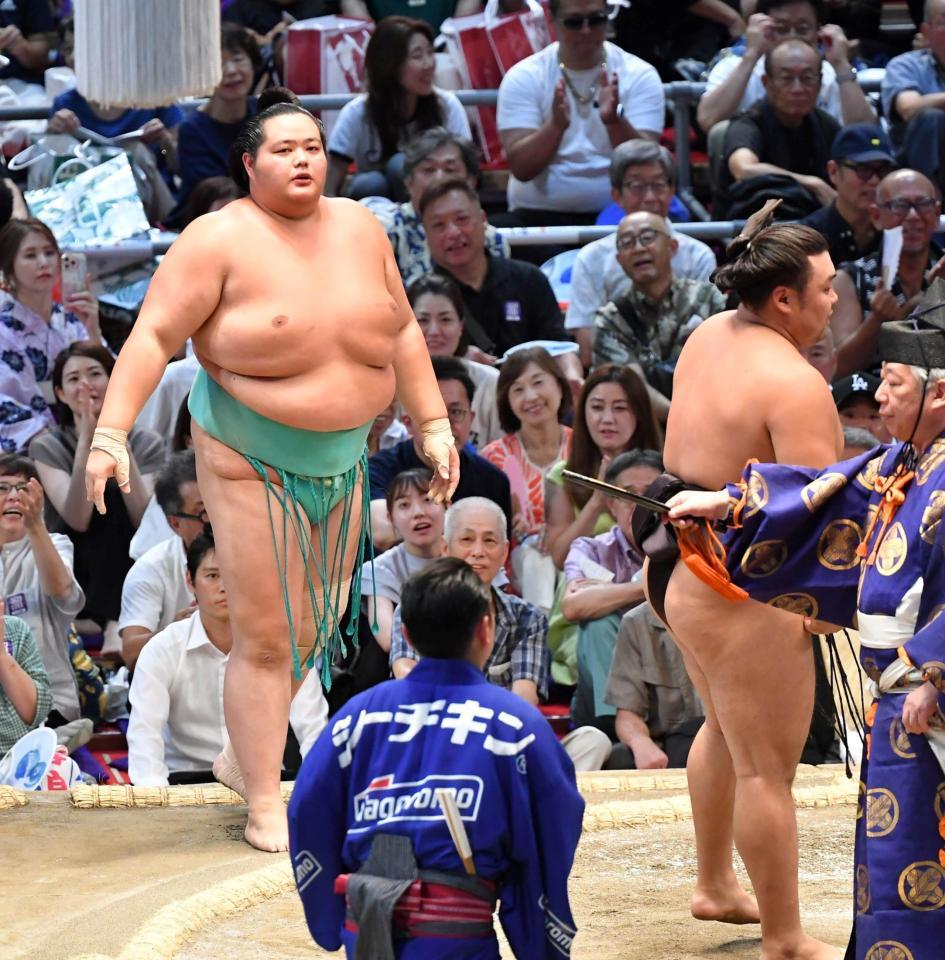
(857, 406)
(861, 155)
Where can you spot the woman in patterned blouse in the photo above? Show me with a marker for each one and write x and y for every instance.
(34, 329)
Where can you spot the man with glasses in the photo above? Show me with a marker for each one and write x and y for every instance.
(783, 134)
(642, 177)
(865, 301)
(913, 94)
(861, 155)
(155, 593)
(648, 325)
(477, 477)
(736, 81)
(562, 111)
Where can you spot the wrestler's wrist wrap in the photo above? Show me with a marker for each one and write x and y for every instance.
(115, 444)
(437, 443)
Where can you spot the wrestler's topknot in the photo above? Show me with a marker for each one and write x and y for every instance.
(765, 255)
(273, 102)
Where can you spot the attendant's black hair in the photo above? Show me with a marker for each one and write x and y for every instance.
(441, 606)
(199, 547)
(274, 102)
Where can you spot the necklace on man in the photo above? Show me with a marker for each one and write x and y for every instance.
(585, 100)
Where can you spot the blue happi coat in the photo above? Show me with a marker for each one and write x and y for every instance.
(796, 549)
(375, 769)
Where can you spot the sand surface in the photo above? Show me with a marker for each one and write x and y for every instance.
(87, 883)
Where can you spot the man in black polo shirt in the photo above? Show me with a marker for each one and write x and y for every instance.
(860, 157)
(477, 477)
(783, 134)
(507, 301)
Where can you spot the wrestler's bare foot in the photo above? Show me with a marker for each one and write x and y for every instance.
(730, 905)
(807, 949)
(227, 771)
(268, 827)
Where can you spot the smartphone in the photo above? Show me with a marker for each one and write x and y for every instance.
(74, 274)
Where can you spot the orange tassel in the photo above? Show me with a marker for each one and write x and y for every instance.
(893, 492)
(871, 713)
(869, 744)
(704, 555)
(941, 828)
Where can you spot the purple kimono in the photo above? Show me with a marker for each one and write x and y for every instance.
(796, 549)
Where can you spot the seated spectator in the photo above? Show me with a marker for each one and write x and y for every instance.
(642, 177)
(438, 307)
(603, 583)
(856, 440)
(903, 198)
(38, 584)
(857, 406)
(735, 82)
(506, 302)
(612, 415)
(386, 432)
(80, 376)
(400, 102)
(659, 712)
(532, 399)
(477, 477)
(70, 110)
(647, 326)
(434, 12)
(562, 111)
(25, 27)
(177, 728)
(262, 17)
(783, 134)
(418, 523)
(155, 592)
(208, 196)
(822, 356)
(207, 133)
(34, 329)
(913, 95)
(430, 156)
(519, 660)
(860, 157)
(25, 695)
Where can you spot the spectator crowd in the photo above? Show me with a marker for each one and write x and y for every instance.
(548, 357)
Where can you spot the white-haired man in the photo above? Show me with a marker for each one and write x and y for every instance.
(475, 531)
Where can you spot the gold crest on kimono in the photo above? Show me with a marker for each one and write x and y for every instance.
(882, 812)
(899, 741)
(821, 489)
(892, 551)
(889, 950)
(757, 494)
(836, 548)
(931, 460)
(928, 527)
(867, 476)
(922, 886)
(803, 604)
(862, 889)
(764, 558)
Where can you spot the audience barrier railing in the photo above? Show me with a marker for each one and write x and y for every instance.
(681, 94)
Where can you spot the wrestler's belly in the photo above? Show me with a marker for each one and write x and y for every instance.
(333, 396)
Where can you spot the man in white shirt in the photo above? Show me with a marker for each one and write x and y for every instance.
(38, 583)
(642, 177)
(177, 725)
(562, 111)
(735, 82)
(156, 592)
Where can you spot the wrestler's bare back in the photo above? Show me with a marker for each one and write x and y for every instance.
(736, 385)
(307, 321)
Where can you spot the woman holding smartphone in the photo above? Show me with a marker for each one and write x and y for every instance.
(34, 328)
